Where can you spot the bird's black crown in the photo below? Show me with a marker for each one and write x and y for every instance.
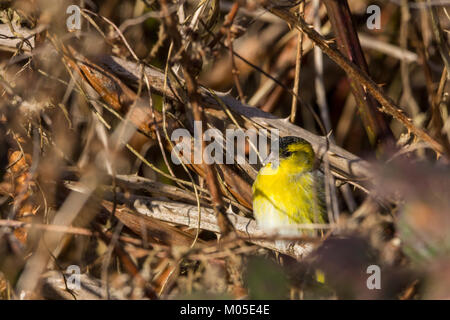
(284, 142)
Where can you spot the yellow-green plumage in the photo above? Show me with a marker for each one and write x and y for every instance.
(291, 192)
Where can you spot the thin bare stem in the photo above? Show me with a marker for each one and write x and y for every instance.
(298, 65)
(387, 104)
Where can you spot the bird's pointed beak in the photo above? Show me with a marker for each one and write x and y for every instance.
(273, 158)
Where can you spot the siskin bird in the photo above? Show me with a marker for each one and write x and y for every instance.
(289, 190)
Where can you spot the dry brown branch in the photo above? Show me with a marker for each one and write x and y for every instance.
(187, 215)
(62, 229)
(443, 45)
(54, 288)
(388, 106)
(370, 42)
(348, 43)
(104, 83)
(341, 160)
(298, 64)
(152, 229)
(188, 67)
(158, 188)
(129, 264)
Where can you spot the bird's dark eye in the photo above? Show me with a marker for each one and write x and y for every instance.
(285, 153)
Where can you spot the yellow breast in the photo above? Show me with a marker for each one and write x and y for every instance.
(287, 195)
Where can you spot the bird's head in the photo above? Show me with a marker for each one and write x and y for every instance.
(294, 151)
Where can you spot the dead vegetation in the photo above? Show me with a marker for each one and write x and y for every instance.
(87, 177)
